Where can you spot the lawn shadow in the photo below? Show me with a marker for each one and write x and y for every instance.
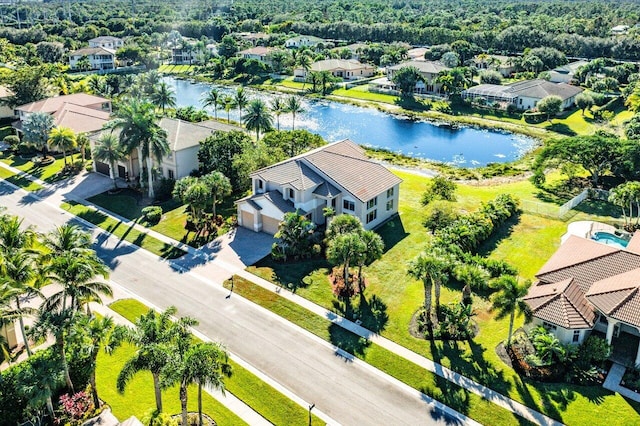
(392, 232)
(292, 274)
(347, 341)
(598, 208)
(451, 395)
(561, 128)
(370, 314)
(528, 399)
(504, 231)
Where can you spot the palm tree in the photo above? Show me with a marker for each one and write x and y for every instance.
(83, 142)
(277, 107)
(294, 107)
(212, 99)
(38, 383)
(303, 60)
(240, 101)
(219, 185)
(64, 139)
(228, 104)
(152, 337)
(108, 150)
(13, 237)
(343, 249)
(95, 333)
(139, 129)
(429, 269)
(36, 128)
(67, 240)
(163, 96)
(374, 248)
(176, 371)
(258, 117)
(508, 300)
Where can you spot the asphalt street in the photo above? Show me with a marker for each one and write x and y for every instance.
(346, 391)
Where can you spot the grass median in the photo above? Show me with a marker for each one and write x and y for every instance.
(264, 399)
(19, 181)
(123, 231)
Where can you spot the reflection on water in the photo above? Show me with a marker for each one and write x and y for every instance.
(466, 147)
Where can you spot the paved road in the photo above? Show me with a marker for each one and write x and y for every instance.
(348, 392)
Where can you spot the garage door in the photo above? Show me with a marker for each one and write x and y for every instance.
(247, 220)
(270, 225)
(102, 168)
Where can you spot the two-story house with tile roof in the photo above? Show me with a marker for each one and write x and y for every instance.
(338, 175)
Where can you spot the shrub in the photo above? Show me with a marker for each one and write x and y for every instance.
(165, 189)
(593, 352)
(440, 214)
(12, 140)
(152, 214)
(512, 109)
(472, 275)
(25, 149)
(75, 407)
(439, 188)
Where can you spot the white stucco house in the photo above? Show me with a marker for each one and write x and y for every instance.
(100, 58)
(565, 73)
(586, 287)
(428, 70)
(303, 41)
(107, 42)
(346, 69)
(5, 110)
(338, 175)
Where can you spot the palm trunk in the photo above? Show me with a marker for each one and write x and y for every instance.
(293, 121)
(215, 112)
(360, 279)
(94, 389)
(158, 393)
(50, 407)
(436, 291)
(183, 402)
(213, 207)
(513, 313)
(112, 175)
(64, 157)
(140, 170)
(65, 365)
(427, 299)
(347, 285)
(278, 121)
(200, 404)
(150, 178)
(22, 330)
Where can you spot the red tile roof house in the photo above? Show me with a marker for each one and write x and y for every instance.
(587, 286)
(338, 175)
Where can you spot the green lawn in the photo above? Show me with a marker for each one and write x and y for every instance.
(19, 181)
(526, 242)
(124, 232)
(175, 69)
(260, 396)
(174, 217)
(50, 173)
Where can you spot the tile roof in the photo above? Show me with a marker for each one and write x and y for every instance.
(273, 197)
(343, 162)
(258, 50)
(326, 190)
(571, 67)
(92, 51)
(562, 303)
(429, 67)
(332, 64)
(618, 296)
(575, 250)
(541, 88)
(634, 243)
(104, 38)
(183, 134)
(51, 105)
(80, 119)
(5, 92)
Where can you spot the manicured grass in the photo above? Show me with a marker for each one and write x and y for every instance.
(138, 398)
(362, 92)
(50, 173)
(260, 396)
(175, 69)
(174, 216)
(129, 234)
(19, 181)
(526, 242)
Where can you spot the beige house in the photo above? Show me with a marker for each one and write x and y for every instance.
(346, 69)
(565, 73)
(107, 42)
(99, 58)
(304, 41)
(258, 53)
(338, 175)
(505, 65)
(586, 287)
(5, 110)
(429, 71)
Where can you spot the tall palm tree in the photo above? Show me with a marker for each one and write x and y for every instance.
(430, 270)
(278, 107)
(152, 336)
(83, 142)
(108, 150)
(94, 333)
(176, 371)
(219, 185)
(212, 99)
(62, 138)
(13, 236)
(228, 104)
(258, 117)
(67, 239)
(508, 300)
(303, 60)
(240, 101)
(294, 107)
(139, 129)
(163, 96)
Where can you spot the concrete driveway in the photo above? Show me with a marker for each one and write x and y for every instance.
(82, 186)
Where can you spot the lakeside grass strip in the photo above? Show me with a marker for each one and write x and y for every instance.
(19, 181)
(438, 388)
(122, 231)
(264, 399)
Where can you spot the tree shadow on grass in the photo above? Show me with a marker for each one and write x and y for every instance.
(561, 128)
(292, 274)
(392, 233)
(452, 396)
(599, 208)
(504, 231)
(347, 341)
(370, 314)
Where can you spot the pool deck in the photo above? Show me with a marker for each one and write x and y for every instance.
(586, 228)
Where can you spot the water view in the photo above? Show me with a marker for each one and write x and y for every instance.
(465, 146)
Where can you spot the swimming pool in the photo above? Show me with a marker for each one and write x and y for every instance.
(610, 239)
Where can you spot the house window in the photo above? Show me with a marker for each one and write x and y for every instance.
(389, 192)
(389, 205)
(348, 205)
(549, 326)
(372, 203)
(170, 174)
(372, 215)
(260, 184)
(576, 336)
(292, 194)
(333, 203)
(520, 101)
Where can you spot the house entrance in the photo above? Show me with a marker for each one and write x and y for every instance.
(625, 348)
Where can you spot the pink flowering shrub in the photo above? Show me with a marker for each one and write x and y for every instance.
(74, 408)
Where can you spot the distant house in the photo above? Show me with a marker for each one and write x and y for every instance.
(417, 53)
(212, 49)
(429, 71)
(523, 94)
(258, 53)
(505, 65)
(80, 112)
(355, 50)
(185, 52)
(304, 41)
(347, 69)
(587, 287)
(107, 42)
(619, 30)
(253, 38)
(99, 58)
(565, 73)
(184, 142)
(5, 111)
(338, 175)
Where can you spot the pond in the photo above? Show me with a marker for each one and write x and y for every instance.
(462, 146)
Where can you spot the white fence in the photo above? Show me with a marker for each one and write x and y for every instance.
(598, 194)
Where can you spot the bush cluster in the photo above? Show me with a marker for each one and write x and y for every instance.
(152, 214)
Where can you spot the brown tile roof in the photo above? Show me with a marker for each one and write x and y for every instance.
(51, 105)
(258, 50)
(333, 64)
(343, 162)
(575, 250)
(183, 134)
(562, 303)
(429, 67)
(618, 297)
(634, 243)
(88, 51)
(80, 119)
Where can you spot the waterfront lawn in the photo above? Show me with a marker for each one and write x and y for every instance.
(127, 233)
(264, 399)
(176, 69)
(526, 242)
